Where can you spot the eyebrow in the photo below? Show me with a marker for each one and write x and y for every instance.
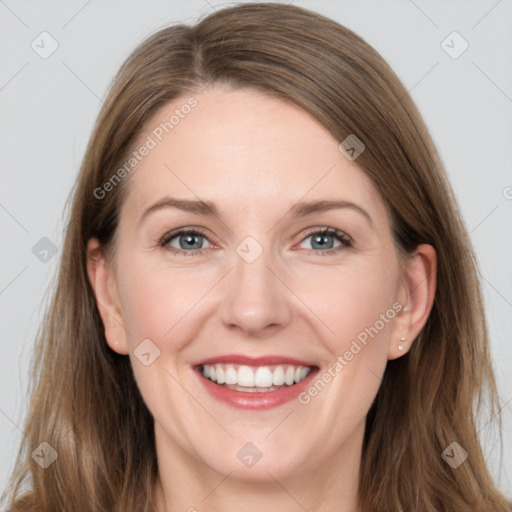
(207, 208)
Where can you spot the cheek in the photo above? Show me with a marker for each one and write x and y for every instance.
(154, 301)
(356, 304)
(146, 308)
(158, 304)
(359, 310)
(163, 303)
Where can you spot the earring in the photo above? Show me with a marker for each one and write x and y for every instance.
(401, 347)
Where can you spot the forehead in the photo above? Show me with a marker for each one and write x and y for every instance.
(245, 150)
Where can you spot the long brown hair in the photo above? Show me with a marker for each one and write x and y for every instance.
(85, 403)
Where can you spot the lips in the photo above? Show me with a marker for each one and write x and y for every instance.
(255, 383)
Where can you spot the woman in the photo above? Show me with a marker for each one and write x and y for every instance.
(196, 354)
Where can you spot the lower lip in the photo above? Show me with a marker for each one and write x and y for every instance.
(258, 400)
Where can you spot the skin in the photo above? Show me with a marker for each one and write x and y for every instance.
(255, 157)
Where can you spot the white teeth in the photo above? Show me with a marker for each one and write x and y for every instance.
(304, 372)
(255, 389)
(290, 372)
(255, 377)
(245, 377)
(231, 375)
(263, 377)
(278, 376)
(220, 374)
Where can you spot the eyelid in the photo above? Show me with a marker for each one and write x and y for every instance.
(182, 231)
(327, 230)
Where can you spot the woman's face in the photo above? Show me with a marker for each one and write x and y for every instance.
(265, 289)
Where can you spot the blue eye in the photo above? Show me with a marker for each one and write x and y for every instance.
(322, 241)
(190, 241)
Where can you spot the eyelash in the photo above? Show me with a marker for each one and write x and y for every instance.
(346, 241)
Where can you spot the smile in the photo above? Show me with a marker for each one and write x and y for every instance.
(255, 379)
(255, 383)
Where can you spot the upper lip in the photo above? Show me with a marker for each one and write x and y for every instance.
(254, 361)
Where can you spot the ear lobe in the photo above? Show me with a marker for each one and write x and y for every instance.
(102, 280)
(419, 286)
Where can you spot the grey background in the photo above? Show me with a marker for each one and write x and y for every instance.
(48, 107)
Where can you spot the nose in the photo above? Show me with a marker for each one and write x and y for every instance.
(256, 301)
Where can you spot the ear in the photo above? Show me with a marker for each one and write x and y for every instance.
(102, 280)
(416, 293)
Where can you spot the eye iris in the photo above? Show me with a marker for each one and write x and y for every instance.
(320, 239)
(189, 243)
(194, 241)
